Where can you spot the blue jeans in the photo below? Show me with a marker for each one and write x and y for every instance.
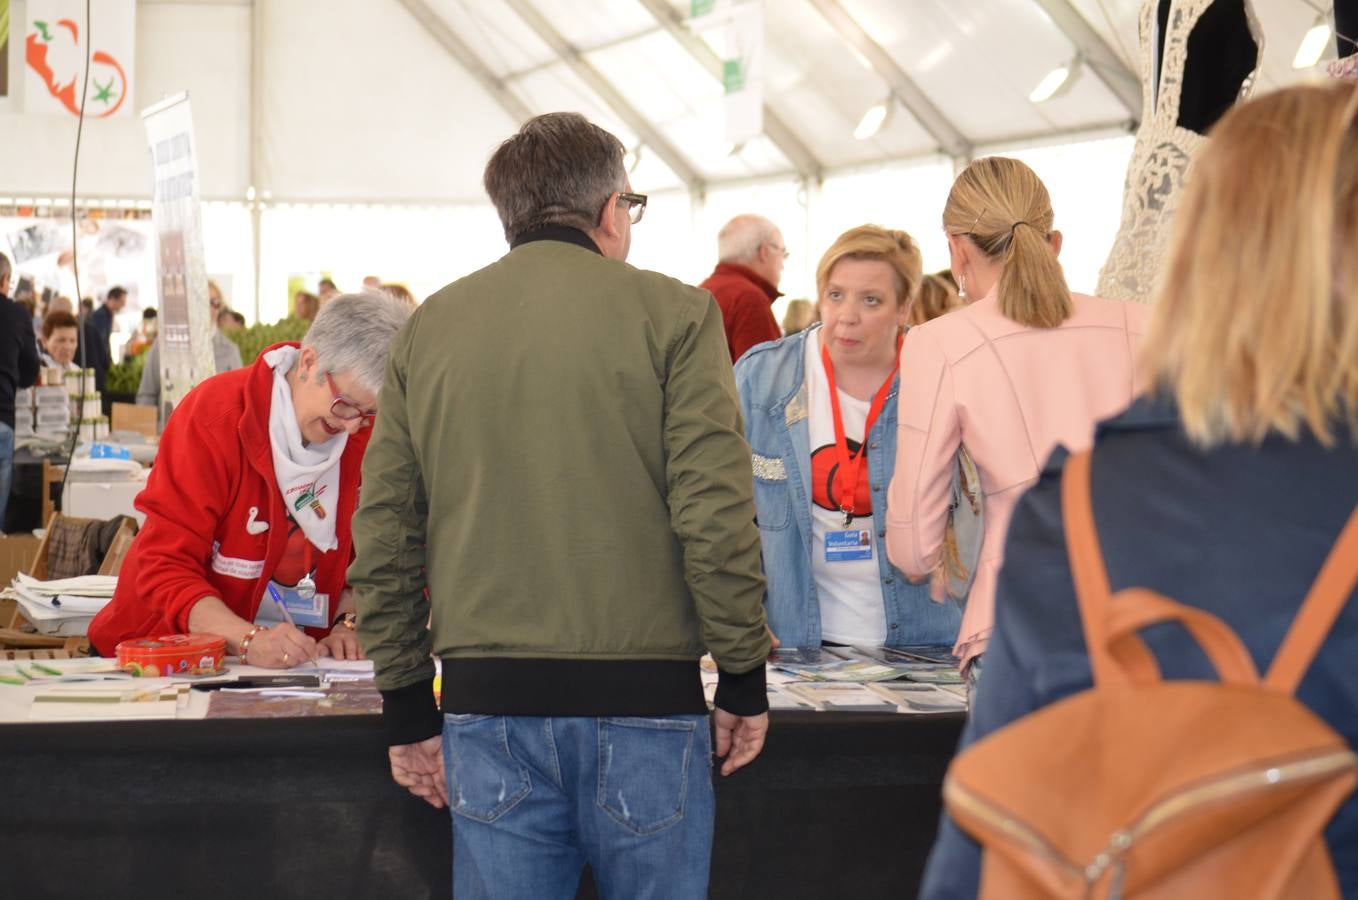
(6, 468)
(533, 799)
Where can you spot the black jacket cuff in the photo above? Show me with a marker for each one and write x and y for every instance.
(409, 714)
(743, 695)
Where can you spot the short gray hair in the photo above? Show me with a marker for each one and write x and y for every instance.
(4, 267)
(740, 239)
(353, 333)
(557, 170)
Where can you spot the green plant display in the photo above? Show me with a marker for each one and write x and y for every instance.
(256, 339)
(125, 377)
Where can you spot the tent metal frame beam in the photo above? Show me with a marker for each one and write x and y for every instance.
(459, 50)
(1096, 53)
(574, 58)
(940, 127)
(778, 131)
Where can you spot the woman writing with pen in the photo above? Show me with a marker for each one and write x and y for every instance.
(248, 507)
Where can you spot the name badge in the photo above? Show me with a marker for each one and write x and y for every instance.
(847, 546)
(307, 612)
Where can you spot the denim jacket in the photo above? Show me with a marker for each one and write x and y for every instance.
(770, 378)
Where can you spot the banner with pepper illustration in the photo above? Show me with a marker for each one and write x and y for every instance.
(55, 47)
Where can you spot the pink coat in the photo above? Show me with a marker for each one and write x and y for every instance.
(1011, 394)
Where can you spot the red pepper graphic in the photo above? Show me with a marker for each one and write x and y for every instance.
(36, 57)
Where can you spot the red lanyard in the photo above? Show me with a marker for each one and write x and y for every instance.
(851, 466)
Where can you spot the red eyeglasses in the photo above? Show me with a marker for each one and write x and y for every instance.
(341, 408)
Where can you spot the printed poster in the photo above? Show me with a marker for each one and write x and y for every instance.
(186, 326)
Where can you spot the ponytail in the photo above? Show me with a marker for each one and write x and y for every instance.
(1033, 288)
(1002, 207)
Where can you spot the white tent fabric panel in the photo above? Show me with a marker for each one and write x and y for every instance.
(500, 38)
(384, 113)
(598, 22)
(822, 86)
(36, 155)
(686, 102)
(979, 62)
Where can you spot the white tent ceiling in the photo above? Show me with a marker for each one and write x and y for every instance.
(402, 100)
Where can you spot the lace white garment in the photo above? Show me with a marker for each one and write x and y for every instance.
(1163, 154)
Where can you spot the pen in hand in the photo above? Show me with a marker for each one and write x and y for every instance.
(287, 617)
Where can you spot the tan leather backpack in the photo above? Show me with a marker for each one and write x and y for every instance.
(1143, 788)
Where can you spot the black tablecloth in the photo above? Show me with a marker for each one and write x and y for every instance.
(838, 805)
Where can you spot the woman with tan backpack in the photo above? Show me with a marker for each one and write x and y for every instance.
(1170, 698)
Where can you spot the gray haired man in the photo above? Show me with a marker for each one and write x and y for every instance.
(750, 257)
(559, 476)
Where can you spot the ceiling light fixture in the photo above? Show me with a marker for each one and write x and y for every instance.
(872, 120)
(1056, 82)
(1313, 44)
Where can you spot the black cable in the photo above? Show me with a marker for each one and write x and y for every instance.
(75, 266)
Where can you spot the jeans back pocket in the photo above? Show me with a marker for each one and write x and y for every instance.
(485, 781)
(644, 768)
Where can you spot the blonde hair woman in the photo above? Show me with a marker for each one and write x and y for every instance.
(937, 296)
(1026, 367)
(800, 315)
(1227, 487)
(820, 415)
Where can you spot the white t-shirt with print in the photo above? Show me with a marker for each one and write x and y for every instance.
(850, 591)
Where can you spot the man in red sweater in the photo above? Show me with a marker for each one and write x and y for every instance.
(750, 254)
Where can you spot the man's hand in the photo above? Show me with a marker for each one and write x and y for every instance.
(419, 769)
(774, 643)
(739, 738)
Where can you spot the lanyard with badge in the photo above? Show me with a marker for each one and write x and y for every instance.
(844, 546)
(306, 606)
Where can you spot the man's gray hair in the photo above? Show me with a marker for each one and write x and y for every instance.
(559, 169)
(353, 333)
(740, 239)
(4, 267)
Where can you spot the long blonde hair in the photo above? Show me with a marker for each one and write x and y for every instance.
(1004, 209)
(1256, 325)
(895, 248)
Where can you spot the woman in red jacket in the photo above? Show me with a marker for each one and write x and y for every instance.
(252, 495)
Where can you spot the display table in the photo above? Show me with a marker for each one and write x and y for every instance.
(838, 805)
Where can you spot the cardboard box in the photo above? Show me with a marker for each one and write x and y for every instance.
(17, 552)
(103, 499)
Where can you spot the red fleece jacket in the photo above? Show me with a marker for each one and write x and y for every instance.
(746, 302)
(213, 475)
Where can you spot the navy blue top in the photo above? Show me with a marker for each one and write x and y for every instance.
(1240, 531)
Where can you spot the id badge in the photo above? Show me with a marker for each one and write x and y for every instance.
(848, 546)
(307, 612)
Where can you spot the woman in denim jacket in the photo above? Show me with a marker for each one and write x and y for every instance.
(820, 416)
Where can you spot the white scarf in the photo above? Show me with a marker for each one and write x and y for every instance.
(308, 477)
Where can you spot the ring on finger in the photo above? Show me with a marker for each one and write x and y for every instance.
(285, 656)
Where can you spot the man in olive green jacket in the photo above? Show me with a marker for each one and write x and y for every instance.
(559, 475)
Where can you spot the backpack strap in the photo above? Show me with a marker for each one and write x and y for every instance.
(1326, 599)
(1088, 571)
(1117, 654)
